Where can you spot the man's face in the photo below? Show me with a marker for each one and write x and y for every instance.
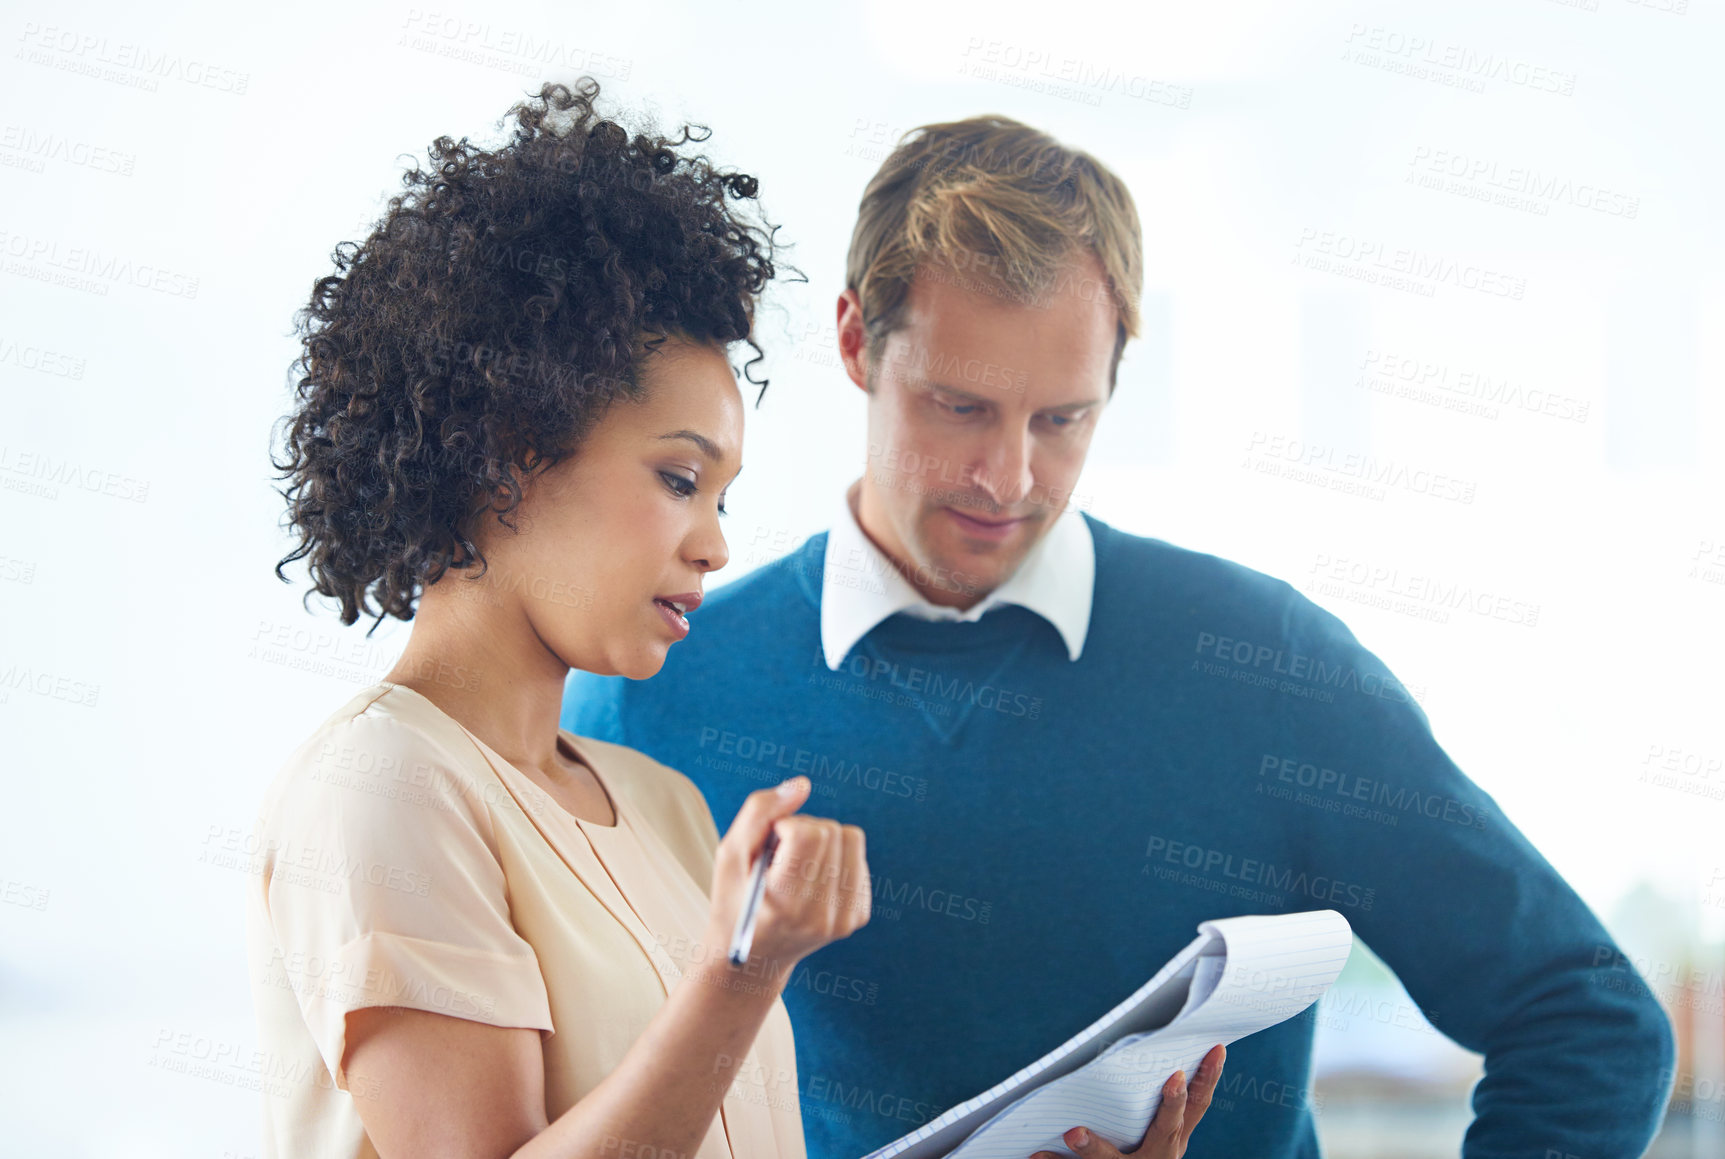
(981, 411)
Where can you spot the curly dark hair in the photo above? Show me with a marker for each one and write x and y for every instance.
(495, 313)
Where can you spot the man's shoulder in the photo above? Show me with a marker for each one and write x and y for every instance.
(1140, 563)
(793, 575)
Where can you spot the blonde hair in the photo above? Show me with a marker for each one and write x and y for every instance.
(999, 207)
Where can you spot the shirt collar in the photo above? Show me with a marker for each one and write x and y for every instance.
(860, 587)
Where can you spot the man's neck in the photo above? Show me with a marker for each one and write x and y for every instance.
(870, 517)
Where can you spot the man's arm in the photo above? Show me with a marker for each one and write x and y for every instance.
(1493, 945)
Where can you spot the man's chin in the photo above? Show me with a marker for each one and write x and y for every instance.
(962, 573)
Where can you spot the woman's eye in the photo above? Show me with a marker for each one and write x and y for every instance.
(678, 484)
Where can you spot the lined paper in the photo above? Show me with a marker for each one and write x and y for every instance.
(1239, 976)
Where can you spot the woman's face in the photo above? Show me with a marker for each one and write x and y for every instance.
(630, 519)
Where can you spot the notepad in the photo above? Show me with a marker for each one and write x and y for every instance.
(1239, 976)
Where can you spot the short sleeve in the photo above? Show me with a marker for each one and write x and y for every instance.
(384, 887)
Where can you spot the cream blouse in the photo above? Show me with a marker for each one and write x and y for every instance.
(401, 862)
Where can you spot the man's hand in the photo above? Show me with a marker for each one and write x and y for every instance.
(1179, 1113)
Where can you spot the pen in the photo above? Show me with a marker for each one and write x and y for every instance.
(745, 932)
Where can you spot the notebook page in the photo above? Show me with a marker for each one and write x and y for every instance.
(1240, 975)
(1272, 970)
(1153, 1004)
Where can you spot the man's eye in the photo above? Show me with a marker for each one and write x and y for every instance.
(677, 483)
(960, 408)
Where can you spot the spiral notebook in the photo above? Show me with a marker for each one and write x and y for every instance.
(1238, 977)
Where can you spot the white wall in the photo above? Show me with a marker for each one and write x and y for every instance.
(136, 575)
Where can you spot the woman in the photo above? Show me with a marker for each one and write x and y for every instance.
(474, 934)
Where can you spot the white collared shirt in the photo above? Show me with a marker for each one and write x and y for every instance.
(860, 587)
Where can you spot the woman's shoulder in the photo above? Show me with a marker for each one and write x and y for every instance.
(379, 752)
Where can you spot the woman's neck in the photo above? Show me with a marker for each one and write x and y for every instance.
(485, 666)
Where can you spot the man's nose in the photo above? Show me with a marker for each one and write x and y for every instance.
(1005, 472)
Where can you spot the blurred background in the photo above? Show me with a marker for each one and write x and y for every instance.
(1477, 243)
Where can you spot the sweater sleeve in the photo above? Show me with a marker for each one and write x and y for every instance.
(1488, 939)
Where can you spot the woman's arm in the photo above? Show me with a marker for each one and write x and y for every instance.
(438, 1086)
(441, 1087)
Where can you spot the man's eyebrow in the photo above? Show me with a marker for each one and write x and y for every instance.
(1065, 406)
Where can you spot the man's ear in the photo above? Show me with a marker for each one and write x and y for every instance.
(852, 338)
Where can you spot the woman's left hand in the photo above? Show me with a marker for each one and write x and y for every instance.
(1181, 1108)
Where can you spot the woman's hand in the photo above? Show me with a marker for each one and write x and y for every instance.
(1171, 1128)
(817, 888)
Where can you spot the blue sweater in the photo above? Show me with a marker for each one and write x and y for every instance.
(1044, 833)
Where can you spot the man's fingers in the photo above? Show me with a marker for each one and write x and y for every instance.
(1203, 1087)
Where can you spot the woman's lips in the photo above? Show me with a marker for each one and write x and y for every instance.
(982, 529)
(678, 624)
(674, 609)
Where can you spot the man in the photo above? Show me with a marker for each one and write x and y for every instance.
(1069, 745)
